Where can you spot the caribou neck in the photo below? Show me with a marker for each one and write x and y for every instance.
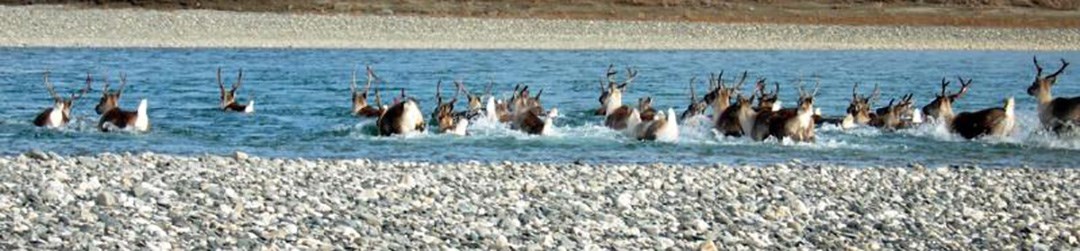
(613, 102)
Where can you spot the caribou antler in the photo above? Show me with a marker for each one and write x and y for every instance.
(378, 99)
(712, 81)
(720, 80)
(1038, 69)
(855, 92)
(630, 75)
(1059, 71)
(963, 88)
(105, 78)
(438, 92)
(741, 81)
(945, 86)
(874, 95)
(84, 89)
(123, 82)
(693, 96)
(611, 74)
(352, 81)
(221, 85)
(460, 87)
(370, 78)
(239, 80)
(49, 87)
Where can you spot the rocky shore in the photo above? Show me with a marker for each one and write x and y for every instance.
(60, 26)
(161, 202)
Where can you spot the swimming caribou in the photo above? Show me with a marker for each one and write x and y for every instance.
(996, 121)
(732, 114)
(60, 113)
(114, 118)
(941, 109)
(1059, 115)
(360, 105)
(796, 123)
(447, 121)
(615, 113)
(858, 110)
(402, 117)
(228, 98)
(696, 107)
(528, 113)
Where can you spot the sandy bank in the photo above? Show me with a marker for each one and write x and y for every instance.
(74, 27)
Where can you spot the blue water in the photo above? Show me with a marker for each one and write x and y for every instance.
(303, 104)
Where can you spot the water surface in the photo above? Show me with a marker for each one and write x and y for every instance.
(303, 104)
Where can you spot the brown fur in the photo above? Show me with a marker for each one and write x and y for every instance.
(474, 101)
(975, 124)
(993, 121)
(527, 112)
(109, 100)
(111, 113)
(388, 122)
(941, 108)
(117, 117)
(612, 94)
(360, 104)
(891, 117)
(730, 124)
(650, 131)
(617, 119)
(786, 123)
(444, 113)
(695, 107)
(529, 121)
(228, 98)
(1057, 114)
(646, 109)
(720, 95)
(766, 100)
(859, 107)
(42, 119)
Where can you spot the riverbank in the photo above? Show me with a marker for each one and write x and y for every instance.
(131, 201)
(64, 26)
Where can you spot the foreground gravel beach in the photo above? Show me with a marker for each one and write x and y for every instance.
(56, 26)
(159, 202)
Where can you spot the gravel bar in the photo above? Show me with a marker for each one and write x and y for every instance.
(161, 202)
(65, 26)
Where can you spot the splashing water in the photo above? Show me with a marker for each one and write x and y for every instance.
(303, 104)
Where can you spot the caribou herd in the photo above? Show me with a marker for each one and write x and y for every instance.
(756, 113)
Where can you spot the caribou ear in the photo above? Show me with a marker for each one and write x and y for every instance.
(622, 87)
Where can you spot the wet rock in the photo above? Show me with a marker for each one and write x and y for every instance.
(37, 155)
(240, 156)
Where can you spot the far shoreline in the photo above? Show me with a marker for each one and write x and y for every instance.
(106, 47)
(71, 27)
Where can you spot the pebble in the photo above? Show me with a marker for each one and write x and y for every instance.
(707, 245)
(105, 199)
(307, 204)
(37, 155)
(57, 26)
(240, 156)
